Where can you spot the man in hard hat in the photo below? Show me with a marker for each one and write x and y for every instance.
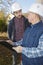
(17, 27)
(32, 44)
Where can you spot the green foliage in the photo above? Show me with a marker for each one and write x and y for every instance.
(3, 25)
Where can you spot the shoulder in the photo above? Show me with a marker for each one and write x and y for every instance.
(12, 20)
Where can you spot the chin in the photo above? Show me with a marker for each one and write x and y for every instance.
(19, 16)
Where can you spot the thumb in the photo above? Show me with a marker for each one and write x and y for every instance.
(14, 48)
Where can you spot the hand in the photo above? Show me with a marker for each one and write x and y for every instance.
(9, 41)
(18, 49)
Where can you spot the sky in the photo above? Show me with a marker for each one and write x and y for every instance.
(25, 4)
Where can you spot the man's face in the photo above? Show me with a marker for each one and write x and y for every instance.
(18, 13)
(31, 17)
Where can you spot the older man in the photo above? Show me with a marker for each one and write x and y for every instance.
(32, 45)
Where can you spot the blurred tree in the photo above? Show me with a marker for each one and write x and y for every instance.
(1, 15)
(3, 25)
(5, 5)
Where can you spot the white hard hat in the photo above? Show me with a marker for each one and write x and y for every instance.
(37, 8)
(15, 7)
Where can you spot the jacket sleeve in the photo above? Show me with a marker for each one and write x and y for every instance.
(10, 29)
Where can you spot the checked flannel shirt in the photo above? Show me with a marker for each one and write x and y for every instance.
(34, 51)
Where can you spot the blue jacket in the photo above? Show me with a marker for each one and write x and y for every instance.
(31, 39)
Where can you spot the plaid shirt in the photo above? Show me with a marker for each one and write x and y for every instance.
(34, 52)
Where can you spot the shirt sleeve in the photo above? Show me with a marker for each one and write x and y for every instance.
(18, 43)
(34, 52)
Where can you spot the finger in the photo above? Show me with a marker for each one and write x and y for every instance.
(13, 47)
